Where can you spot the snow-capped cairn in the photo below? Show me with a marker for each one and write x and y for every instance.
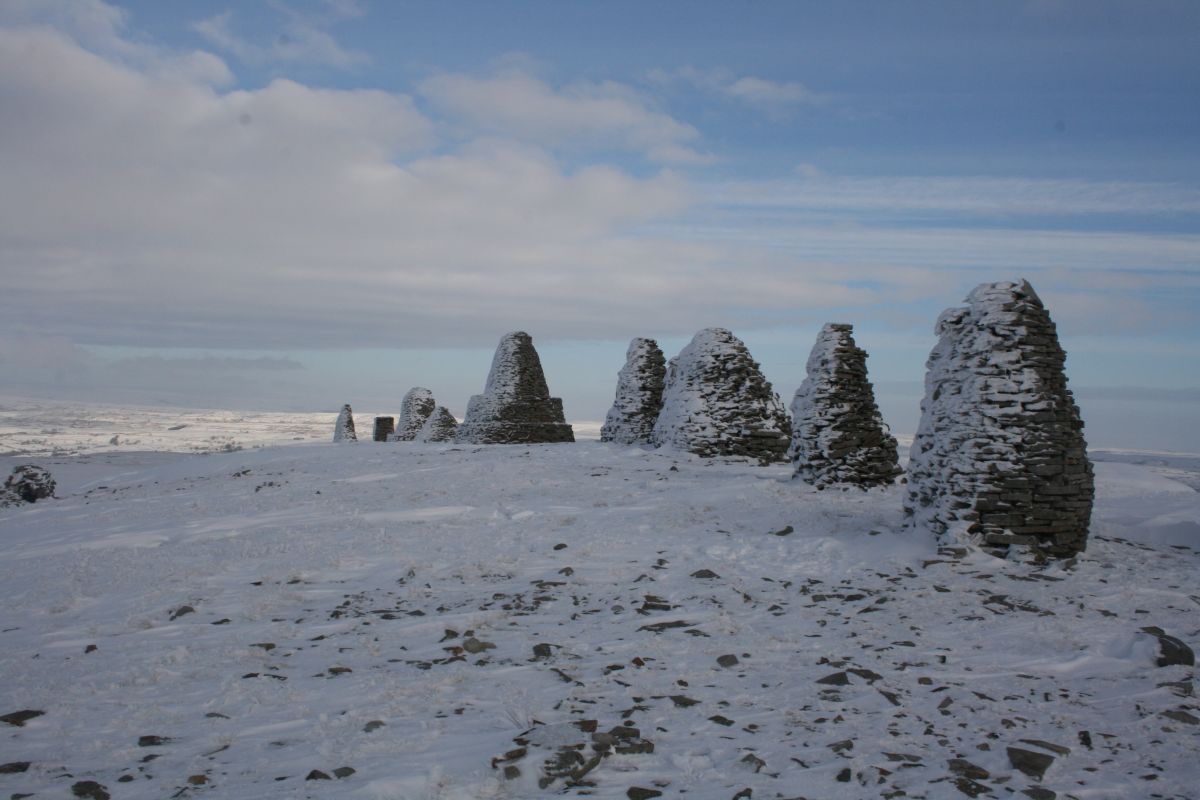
(639, 395)
(26, 484)
(415, 408)
(516, 406)
(343, 429)
(838, 435)
(385, 429)
(440, 427)
(999, 456)
(717, 403)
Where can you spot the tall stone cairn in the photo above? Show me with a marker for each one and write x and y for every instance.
(838, 435)
(440, 427)
(999, 457)
(385, 429)
(516, 406)
(718, 404)
(415, 408)
(639, 395)
(343, 429)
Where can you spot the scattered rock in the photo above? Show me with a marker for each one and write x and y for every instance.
(516, 406)
(727, 660)
(960, 766)
(705, 574)
(90, 790)
(838, 435)
(19, 718)
(181, 611)
(473, 645)
(344, 772)
(541, 650)
(639, 793)
(835, 679)
(197, 780)
(639, 395)
(1031, 763)
(14, 767)
(317, 775)
(373, 725)
(152, 741)
(1171, 651)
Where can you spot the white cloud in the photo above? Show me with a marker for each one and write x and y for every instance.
(772, 97)
(302, 38)
(600, 115)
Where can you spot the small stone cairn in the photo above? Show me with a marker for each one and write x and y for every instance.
(440, 427)
(27, 484)
(999, 457)
(718, 404)
(415, 408)
(343, 429)
(639, 395)
(838, 435)
(516, 406)
(385, 429)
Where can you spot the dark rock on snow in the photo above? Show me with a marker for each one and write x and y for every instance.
(385, 427)
(343, 429)
(27, 484)
(415, 408)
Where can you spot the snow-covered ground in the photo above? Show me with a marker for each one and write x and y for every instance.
(448, 621)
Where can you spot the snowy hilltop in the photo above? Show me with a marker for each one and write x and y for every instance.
(459, 622)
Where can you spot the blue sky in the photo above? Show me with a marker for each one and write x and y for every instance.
(295, 204)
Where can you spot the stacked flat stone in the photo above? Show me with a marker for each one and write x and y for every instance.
(838, 435)
(718, 404)
(639, 395)
(999, 457)
(343, 429)
(28, 483)
(415, 408)
(385, 429)
(516, 406)
(440, 427)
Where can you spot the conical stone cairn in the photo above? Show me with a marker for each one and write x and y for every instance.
(516, 406)
(440, 427)
(838, 435)
(639, 395)
(415, 408)
(343, 429)
(999, 457)
(718, 404)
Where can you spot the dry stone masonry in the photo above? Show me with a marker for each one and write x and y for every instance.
(28, 483)
(415, 408)
(440, 427)
(838, 435)
(999, 456)
(343, 429)
(717, 403)
(516, 406)
(639, 395)
(385, 428)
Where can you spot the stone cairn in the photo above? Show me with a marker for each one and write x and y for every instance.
(838, 435)
(415, 408)
(27, 484)
(516, 406)
(717, 403)
(440, 427)
(999, 457)
(639, 395)
(343, 429)
(385, 428)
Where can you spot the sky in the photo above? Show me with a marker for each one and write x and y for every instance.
(294, 204)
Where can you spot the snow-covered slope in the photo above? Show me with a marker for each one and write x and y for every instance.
(430, 616)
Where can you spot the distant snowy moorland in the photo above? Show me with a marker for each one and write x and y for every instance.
(297, 618)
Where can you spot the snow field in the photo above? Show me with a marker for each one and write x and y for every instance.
(271, 612)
